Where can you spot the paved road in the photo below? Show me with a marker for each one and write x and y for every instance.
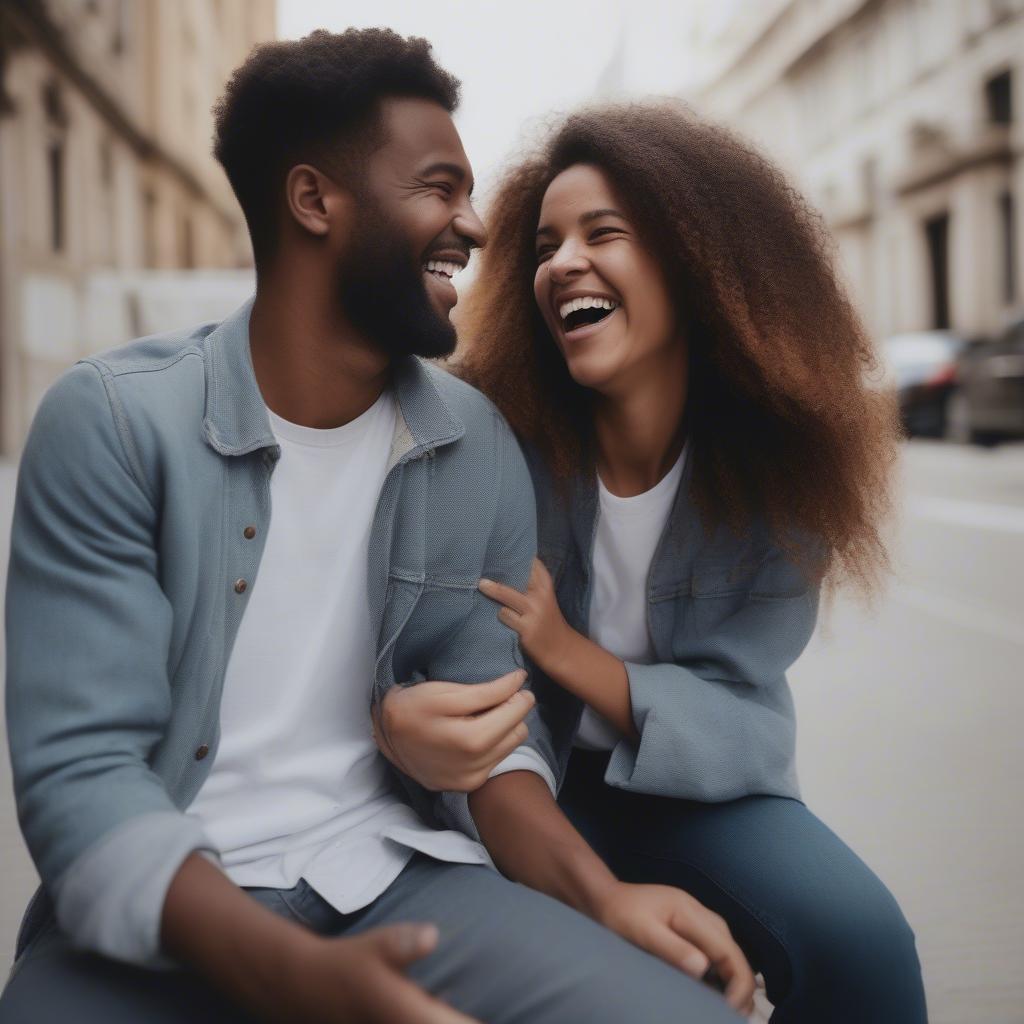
(910, 725)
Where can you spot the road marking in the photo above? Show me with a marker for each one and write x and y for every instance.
(959, 613)
(972, 514)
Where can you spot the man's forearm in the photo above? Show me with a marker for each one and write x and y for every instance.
(210, 924)
(531, 841)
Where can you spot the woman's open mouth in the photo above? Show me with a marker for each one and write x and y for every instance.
(585, 316)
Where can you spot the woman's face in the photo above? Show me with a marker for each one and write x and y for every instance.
(600, 290)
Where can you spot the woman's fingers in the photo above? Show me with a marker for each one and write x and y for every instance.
(479, 698)
(512, 741)
(508, 596)
(487, 730)
(671, 947)
(513, 619)
(711, 935)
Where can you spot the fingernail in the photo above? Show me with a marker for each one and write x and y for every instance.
(484, 583)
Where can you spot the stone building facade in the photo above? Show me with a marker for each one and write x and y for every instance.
(105, 167)
(902, 121)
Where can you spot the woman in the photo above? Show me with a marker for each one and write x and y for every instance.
(659, 319)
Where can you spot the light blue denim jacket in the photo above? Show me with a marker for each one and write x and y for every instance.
(143, 472)
(726, 615)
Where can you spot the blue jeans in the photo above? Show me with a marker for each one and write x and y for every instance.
(824, 931)
(507, 955)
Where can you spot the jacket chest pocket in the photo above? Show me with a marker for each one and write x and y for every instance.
(718, 591)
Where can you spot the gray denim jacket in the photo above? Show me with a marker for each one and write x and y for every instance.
(142, 507)
(727, 616)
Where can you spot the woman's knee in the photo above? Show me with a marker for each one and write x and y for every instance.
(858, 952)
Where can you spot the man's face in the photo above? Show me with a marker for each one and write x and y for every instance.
(415, 229)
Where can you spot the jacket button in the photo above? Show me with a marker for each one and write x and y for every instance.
(249, 532)
(240, 586)
(202, 752)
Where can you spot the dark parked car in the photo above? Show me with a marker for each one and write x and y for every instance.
(989, 404)
(922, 367)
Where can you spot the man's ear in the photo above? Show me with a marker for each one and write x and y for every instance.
(316, 203)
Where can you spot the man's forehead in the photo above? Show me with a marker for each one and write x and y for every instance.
(421, 133)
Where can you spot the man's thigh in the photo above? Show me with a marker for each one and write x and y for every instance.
(54, 982)
(510, 955)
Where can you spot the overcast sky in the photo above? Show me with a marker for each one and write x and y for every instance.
(521, 61)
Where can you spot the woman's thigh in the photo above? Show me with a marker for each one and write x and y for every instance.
(826, 933)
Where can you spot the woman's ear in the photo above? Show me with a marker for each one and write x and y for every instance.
(316, 203)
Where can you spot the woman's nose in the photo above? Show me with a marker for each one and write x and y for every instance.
(568, 262)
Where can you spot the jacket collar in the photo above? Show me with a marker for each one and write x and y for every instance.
(236, 420)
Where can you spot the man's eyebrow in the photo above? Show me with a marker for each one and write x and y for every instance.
(445, 167)
(585, 218)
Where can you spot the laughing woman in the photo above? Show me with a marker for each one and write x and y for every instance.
(659, 319)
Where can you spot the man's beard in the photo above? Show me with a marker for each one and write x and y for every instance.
(384, 296)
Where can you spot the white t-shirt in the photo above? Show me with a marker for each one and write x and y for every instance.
(628, 531)
(298, 789)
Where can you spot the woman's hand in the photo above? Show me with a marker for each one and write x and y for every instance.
(673, 926)
(534, 615)
(448, 736)
(573, 661)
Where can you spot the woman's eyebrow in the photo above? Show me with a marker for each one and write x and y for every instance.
(584, 218)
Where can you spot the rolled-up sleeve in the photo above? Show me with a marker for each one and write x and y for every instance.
(87, 694)
(722, 725)
(484, 648)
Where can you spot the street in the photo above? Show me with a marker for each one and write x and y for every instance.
(910, 719)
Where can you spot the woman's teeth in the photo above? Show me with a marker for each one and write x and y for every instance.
(586, 302)
(442, 269)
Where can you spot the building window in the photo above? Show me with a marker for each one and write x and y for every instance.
(55, 170)
(1008, 244)
(999, 98)
(936, 230)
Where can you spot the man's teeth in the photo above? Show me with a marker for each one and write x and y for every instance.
(586, 302)
(440, 267)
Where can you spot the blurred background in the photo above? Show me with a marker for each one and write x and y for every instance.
(900, 119)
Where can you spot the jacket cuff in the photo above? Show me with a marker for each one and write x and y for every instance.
(111, 898)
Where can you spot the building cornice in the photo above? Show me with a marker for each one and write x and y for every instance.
(992, 151)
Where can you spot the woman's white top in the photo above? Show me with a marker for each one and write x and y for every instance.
(628, 531)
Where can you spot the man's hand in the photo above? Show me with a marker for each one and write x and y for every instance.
(534, 615)
(673, 926)
(281, 971)
(448, 736)
(357, 980)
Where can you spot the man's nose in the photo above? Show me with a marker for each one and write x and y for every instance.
(469, 226)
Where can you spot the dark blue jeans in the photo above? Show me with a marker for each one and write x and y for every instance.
(811, 916)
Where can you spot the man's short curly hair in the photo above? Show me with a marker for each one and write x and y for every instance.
(315, 100)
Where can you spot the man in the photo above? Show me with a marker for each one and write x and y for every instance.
(229, 543)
